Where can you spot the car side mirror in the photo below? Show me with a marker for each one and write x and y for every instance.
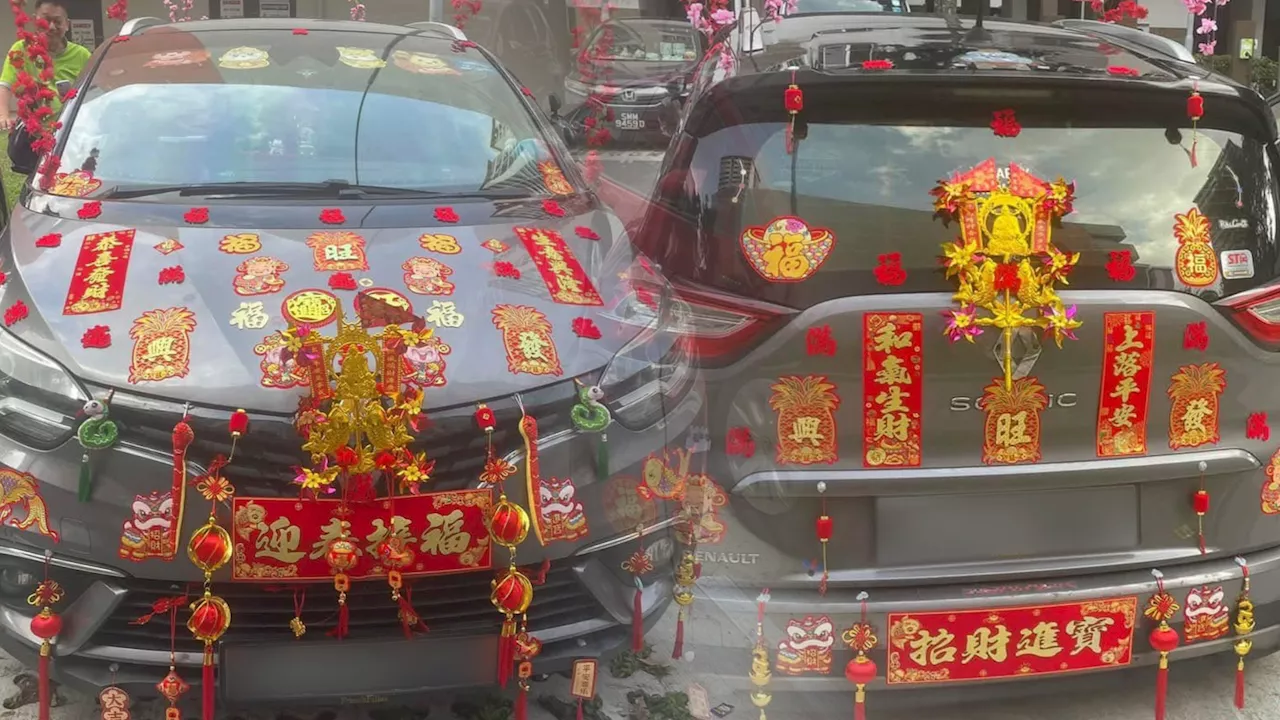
(553, 102)
(21, 157)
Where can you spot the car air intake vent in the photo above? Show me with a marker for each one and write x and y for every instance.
(833, 57)
(735, 172)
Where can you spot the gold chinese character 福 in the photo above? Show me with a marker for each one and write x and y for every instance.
(444, 534)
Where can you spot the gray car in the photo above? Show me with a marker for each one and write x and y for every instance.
(996, 496)
(236, 177)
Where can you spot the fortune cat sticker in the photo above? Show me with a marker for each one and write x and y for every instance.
(787, 250)
(244, 58)
(259, 276)
(360, 58)
(421, 63)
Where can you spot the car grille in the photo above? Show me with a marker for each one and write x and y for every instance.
(450, 605)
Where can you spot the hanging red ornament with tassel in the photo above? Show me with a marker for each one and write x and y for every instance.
(238, 425)
(508, 526)
(824, 527)
(638, 565)
(1195, 111)
(1244, 625)
(1200, 504)
(686, 576)
(341, 555)
(1161, 608)
(793, 100)
(171, 687)
(210, 549)
(45, 625)
(861, 670)
(527, 648)
(582, 685)
(511, 594)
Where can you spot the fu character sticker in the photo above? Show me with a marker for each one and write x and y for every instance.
(787, 250)
(360, 58)
(1237, 264)
(259, 276)
(244, 58)
(240, 244)
(161, 345)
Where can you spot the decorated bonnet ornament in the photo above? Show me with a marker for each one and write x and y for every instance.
(589, 415)
(96, 432)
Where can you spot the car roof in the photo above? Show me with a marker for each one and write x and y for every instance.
(940, 43)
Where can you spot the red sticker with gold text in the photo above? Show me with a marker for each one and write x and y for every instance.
(806, 408)
(526, 336)
(97, 282)
(563, 275)
(337, 250)
(161, 345)
(1011, 430)
(1195, 263)
(553, 178)
(259, 276)
(892, 385)
(1128, 352)
(1194, 391)
(313, 307)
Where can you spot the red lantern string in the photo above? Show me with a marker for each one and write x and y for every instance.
(1164, 639)
(238, 425)
(1244, 625)
(1200, 504)
(1195, 111)
(45, 625)
(861, 670)
(824, 528)
(793, 101)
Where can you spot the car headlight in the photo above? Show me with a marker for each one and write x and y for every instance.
(653, 371)
(39, 400)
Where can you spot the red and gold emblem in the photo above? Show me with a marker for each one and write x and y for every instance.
(161, 345)
(554, 178)
(1193, 413)
(259, 276)
(807, 647)
(702, 500)
(20, 493)
(97, 282)
(427, 276)
(337, 250)
(75, 184)
(1127, 355)
(440, 243)
(279, 364)
(1270, 495)
(1011, 433)
(1207, 616)
(526, 335)
(787, 250)
(1195, 262)
(240, 244)
(563, 274)
(494, 245)
(806, 408)
(892, 381)
(313, 307)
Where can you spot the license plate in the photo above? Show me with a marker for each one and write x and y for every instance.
(936, 647)
(629, 121)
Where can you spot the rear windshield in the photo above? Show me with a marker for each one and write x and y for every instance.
(173, 107)
(869, 182)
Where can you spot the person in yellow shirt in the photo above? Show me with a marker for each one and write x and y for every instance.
(68, 59)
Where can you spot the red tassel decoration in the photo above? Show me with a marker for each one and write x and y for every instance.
(824, 528)
(522, 702)
(637, 618)
(527, 648)
(1195, 111)
(1200, 504)
(208, 686)
(861, 670)
(1244, 628)
(506, 650)
(579, 709)
(686, 575)
(238, 425)
(1161, 607)
(45, 625)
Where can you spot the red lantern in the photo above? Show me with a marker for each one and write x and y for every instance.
(341, 555)
(512, 593)
(794, 99)
(1195, 106)
(510, 523)
(46, 625)
(210, 618)
(485, 418)
(210, 547)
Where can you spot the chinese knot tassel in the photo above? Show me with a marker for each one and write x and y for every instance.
(1161, 607)
(522, 701)
(45, 625)
(677, 650)
(860, 704)
(344, 622)
(208, 686)
(1240, 684)
(823, 527)
(1195, 111)
(85, 488)
(637, 619)
(506, 649)
(1244, 628)
(46, 692)
(579, 716)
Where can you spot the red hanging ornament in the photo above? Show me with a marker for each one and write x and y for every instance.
(582, 684)
(1195, 336)
(172, 687)
(861, 670)
(793, 101)
(1256, 427)
(509, 525)
(1244, 625)
(1195, 111)
(824, 526)
(1004, 123)
(760, 672)
(238, 425)
(1200, 505)
(511, 595)
(527, 648)
(1160, 608)
(686, 575)
(45, 625)
(341, 555)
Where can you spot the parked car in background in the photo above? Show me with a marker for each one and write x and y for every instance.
(842, 383)
(297, 170)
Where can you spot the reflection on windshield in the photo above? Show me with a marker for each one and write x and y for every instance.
(636, 41)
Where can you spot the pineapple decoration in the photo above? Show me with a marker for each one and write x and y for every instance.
(806, 408)
(1006, 267)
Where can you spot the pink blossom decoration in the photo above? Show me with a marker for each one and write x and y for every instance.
(1207, 48)
(1207, 26)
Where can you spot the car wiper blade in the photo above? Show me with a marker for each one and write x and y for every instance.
(330, 188)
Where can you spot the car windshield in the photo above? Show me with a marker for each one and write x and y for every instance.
(842, 6)
(173, 108)
(646, 41)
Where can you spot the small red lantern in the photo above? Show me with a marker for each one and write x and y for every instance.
(510, 523)
(824, 526)
(46, 625)
(793, 98)
(239, 423)
(485, 418)
(341, 555)
(210, 618)
(512, 593)
(210, 547)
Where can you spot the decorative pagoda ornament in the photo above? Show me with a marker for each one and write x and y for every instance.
(760, 671)
(1007, 268)
(824, 528)
(46, 625)
(860, 671)
(1164, 639)
(1244, 625)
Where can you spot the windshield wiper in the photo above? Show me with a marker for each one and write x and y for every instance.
(329, 188)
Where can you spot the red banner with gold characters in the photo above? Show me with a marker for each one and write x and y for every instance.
(892, 383)
(1128, 351)
(561, 271)
(284, 538)
(97, 282)
(951, 646)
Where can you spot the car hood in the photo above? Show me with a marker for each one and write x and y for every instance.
(227, 362)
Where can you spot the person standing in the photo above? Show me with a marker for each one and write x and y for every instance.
(68, 59)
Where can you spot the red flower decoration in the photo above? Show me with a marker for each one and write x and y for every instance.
(1005, 124)
(740, 442)
(97, 337)
(197, 216)
(51, 240)
(460, 45)
(4, 278)
(1122, 71)
(586, 233)
(877, 64)
(345, 457)
(526, 91)
(385, 460)
(584, 327)
(90, 210)
(1007, 278)
(299, 31)
(1196, 336)
(17, 311)
(332, 216)
(71, 94)
(818, 341)
(552, 208)
(502, 268)
(172, 275)
(1256, 428)
(342, 281)
(889, 270)
(1120, 266)
(445, 215)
